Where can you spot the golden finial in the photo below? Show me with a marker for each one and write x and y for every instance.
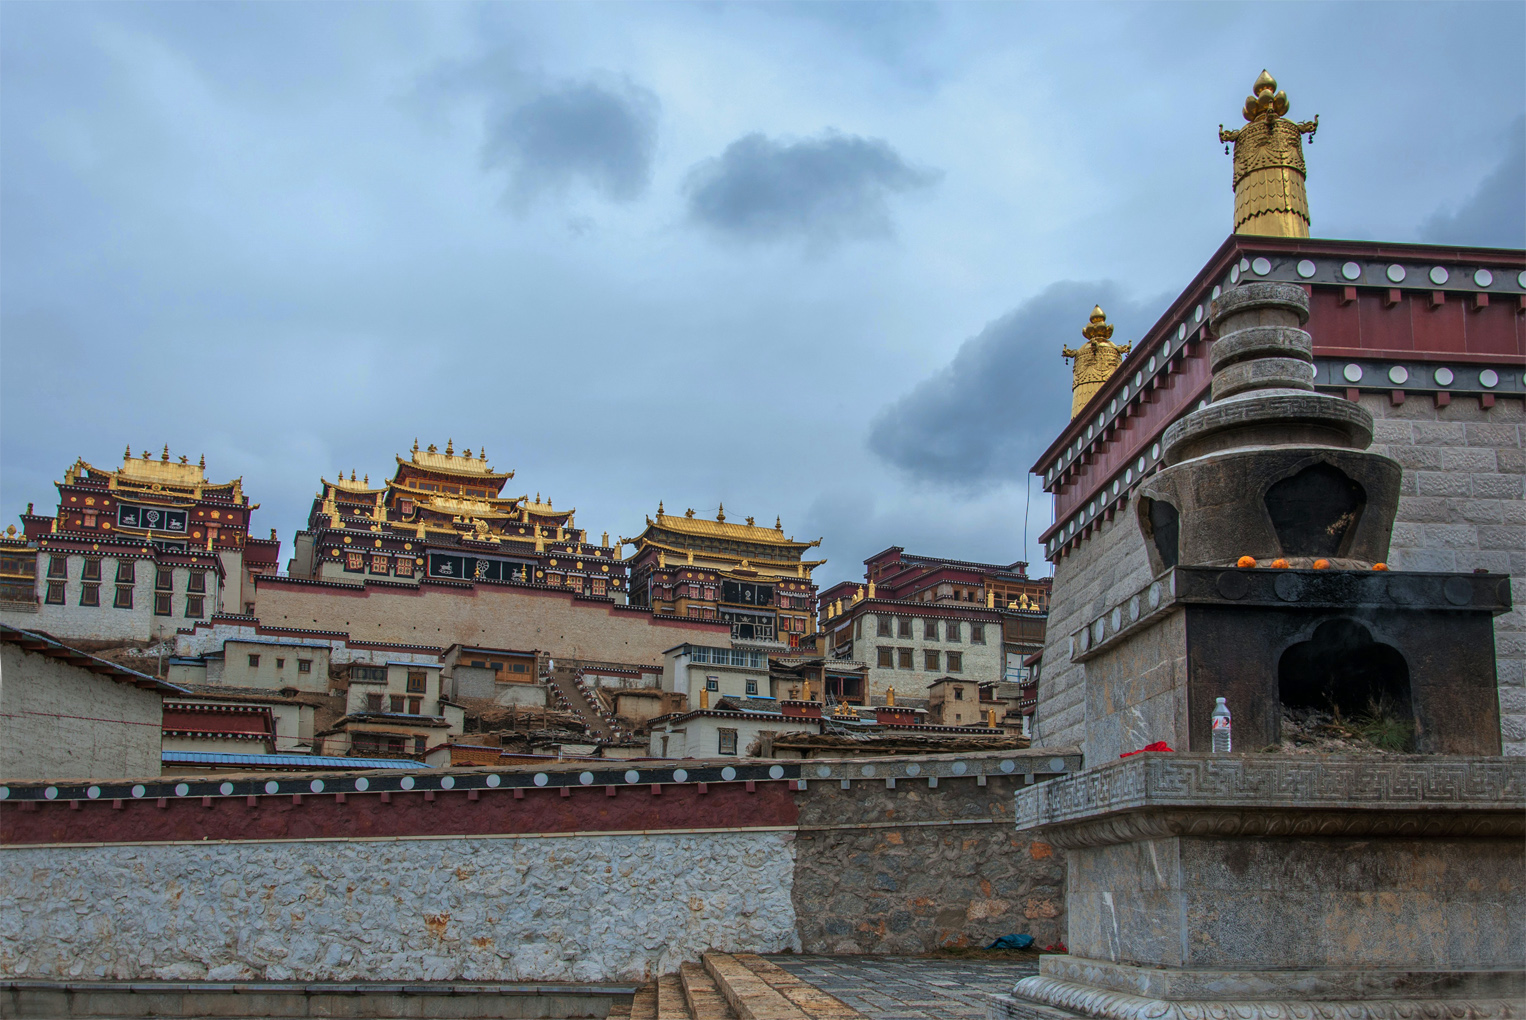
(433, 448)
(203, 462)
(352, 474)
(467, 452)
(749, 522)
(482, 454)
(1096, 360)
(537, 499)
(689, 512)
(449, 447)
(778, 523)
(659, 508)
(367, 481)
(165, 456)
(145, 455)
(272, 534)
(721, 514)
(415, 444)
(1269, 171)
(128, 454)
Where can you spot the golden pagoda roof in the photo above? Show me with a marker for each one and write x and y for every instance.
(500, 503)
(353, 487)
(701, 528)
(545, 509)
(449, 462)
(147, 471)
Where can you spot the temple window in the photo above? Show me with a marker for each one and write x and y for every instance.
(58, 566)
(712, 683)
(164, 579)
(955, 662)
(125, 571)
(415, 705)
(379, 565)
(162, 603)
(887, 658)
(752, 687)
(420, 745)
(354, 562)
(254, 662)
(124, 597)
(903, 658)
(598, 586)
(858, 627)
(930, 630)
(397, 704)
(417, 680)
(91, 570)
(958, 693)
(304, 665)
(883, 626)
(90, 595)
(977, 633)
(951, 630)
(193, 606)
(373, 702)
(196, 580)
(905, 628)
(930, 660)
(55, 596)
(727, 743)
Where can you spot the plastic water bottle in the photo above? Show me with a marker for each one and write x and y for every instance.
(1221, 742)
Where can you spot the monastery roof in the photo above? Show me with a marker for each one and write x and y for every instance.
(42, 644)
(145, 471)
(701, 528)
(452, 464)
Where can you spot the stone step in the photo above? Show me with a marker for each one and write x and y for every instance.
(815, 1003)
(644, 1003)
(671, 1004)
(620, 1011)
(751, 997)
(703, 995)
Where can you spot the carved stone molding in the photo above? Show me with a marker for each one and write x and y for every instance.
(1120, 1006)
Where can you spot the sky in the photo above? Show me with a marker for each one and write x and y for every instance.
(808, 260)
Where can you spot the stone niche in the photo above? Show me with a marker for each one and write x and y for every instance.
(1203, 886)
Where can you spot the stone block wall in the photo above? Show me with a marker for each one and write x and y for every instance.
(913, 869)
(1462, 507)
(1109, 564)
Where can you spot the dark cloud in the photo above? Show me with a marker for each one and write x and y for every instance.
(982, 419)
(1495, 216)
(823, 189)
(603, 136)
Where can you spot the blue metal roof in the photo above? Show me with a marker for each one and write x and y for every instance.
(294, 762)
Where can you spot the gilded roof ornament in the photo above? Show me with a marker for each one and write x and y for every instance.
(1096, 360)
(1269, 171)
(721, 514)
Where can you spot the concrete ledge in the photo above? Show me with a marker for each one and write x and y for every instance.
(435, 1001)
(1094, 1002)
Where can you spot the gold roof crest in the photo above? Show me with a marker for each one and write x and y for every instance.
(1269, 171)
(1096, 360)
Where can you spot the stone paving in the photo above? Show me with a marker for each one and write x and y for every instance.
(910, 987)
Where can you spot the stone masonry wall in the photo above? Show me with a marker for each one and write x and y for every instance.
(611, 907)
(60, 721)
(1462, 507)
(885, 873)
(487, 615)
(1109, 564)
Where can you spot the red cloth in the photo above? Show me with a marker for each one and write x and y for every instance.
(1159, 745)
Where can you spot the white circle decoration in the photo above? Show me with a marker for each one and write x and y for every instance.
(1008, 766)
(776, 772)
(93, 793)
(728, 773)
(1244, 265)
(867, 771)
(1305, 268)
(407, 783)
(824, 771)
(1181, 332)
(493, 780)
(1520, 278)
(225, 789)
(1115, 486)
(1398, 375)
(51, 793)
(1261, 266)
(632, 776)
(1155, 450)
(959, 768)
(1056, 764)
(586, 778)
(541, 779)
(1150, 365)
(5, 792)
(1140, 464)
(362, 785)
(272, 787)
(1234, 275)
(1489, 378)
(1351, 271)
(316, 786)
(139, 790)
(181, 789)
(1396, 273)
(1197, 316)
(1128, 476)
(1439, 275)
(1483, 278)
(913, 769)
(447, 782)
(1216, 292)
(1352, 372)
(1443, 376)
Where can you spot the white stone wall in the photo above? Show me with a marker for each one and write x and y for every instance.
(595, 908)
(981, 661)
(279, 665)
(74, 622)
(1462, 507)
(59, 721)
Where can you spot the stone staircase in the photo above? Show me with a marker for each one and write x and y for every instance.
(571, 694)
(727, 986)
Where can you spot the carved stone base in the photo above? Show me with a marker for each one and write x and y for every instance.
(1038, 998)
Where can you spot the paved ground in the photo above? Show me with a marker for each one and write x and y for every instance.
(910, 987)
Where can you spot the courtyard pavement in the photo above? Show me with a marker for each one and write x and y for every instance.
(910, 987)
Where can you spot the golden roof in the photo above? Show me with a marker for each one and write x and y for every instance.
(161, 472)
(351, 486)
(701, 528)
(448, 462)
(502, 504)
(545, 509)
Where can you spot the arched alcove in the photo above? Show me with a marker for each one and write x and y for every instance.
(1341, 668)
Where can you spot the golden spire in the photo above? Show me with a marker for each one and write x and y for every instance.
(721, 514)
(1096, 360)
(1269, 170)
